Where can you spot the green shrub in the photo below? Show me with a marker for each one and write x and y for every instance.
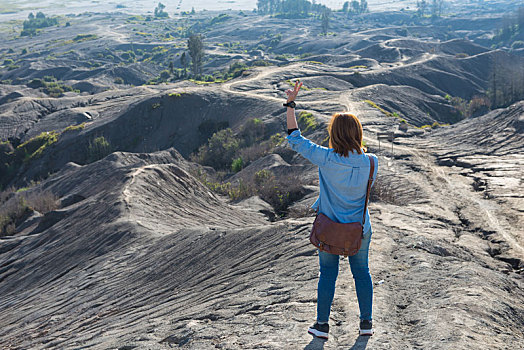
(374, 105)
(306, 121)
(260, 148)
(219, 151)
(208, 127)
(32, 24)
(98, 148)
(36, 83)
(11, 214)
(84, 37)
(237, 165)
(278, 192)
(50, 86)
(128, 56)
(219, 19)
(34, 147)
(75, 127)
(165, 75)
(16, 206)
(261, 63)
(235, 70)
(119, 80)
(252, 131)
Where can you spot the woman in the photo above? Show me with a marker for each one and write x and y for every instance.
(343, 177)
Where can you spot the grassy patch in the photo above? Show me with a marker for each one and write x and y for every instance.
(34, 147)
(202, 82)
(374, 105)
(176, 94)
(307, 121)
(219, 19)
(84, 37)
(74, 127)
(17, 206)
(280, 193)
(51, 86)
(432, 126)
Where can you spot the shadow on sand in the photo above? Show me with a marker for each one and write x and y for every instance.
(360, 343)
(318, 344)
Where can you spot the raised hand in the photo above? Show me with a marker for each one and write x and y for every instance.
(292, 94)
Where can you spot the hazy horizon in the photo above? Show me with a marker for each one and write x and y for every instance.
(10, 10)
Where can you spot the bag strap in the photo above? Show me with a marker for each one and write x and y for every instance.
(370, 181)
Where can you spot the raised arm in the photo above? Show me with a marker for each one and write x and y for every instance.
(314, 153)
(290, 114)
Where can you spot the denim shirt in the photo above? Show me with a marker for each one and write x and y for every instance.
(342, 180)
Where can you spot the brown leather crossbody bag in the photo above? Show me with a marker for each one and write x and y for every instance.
(341, 238)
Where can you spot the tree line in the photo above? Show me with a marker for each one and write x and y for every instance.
(355, 7)
(33, 23)
(506, 81)
(511, 30)
(435, 8)
(289, 8)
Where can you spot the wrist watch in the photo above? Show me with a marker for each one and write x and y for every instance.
(291, 104)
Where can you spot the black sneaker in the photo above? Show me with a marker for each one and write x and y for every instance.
(319, 330)
(366, 327)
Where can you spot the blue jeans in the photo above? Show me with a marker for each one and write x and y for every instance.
(328, 277)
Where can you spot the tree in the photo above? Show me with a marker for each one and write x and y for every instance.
(195, 45)
(220, 150)
(363, 6)
(345, 7)
(325, 21)
(421, 7)
(183, 62)
(165, 75)
(159, 11)
(263, 7)
(436, 8)
(31, 16)
(354, 7)
(440, 6)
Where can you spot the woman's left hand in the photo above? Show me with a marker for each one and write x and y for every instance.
(292, 94)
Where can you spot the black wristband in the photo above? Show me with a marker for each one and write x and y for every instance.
(290, 104)
(289, 131)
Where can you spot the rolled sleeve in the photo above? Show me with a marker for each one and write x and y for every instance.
(316, 154)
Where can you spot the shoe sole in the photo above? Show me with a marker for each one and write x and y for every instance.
(317, 333)
(366, 332)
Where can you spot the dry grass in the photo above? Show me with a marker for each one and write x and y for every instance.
(279, 192)
(15, 207)
(392, 190)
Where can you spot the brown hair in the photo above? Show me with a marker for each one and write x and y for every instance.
(345, 134)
